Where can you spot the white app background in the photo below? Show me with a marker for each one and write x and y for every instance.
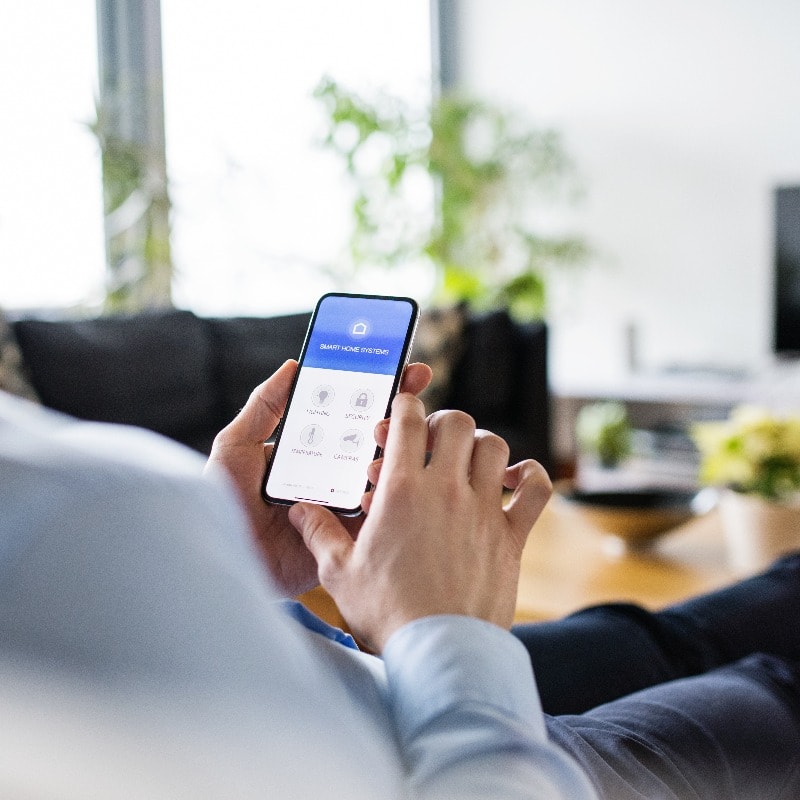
(328, 437)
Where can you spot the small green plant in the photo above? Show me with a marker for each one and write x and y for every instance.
(754, 451)
(456, 184)
(603, 430)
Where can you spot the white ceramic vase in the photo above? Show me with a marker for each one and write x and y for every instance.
(757, 530)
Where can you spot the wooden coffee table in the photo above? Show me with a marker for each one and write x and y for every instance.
(568, 565)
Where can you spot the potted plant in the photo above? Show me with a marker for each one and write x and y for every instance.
(603, 431)
(754, 457)
(454, 185)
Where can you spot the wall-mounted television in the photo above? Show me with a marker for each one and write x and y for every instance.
(787, 271)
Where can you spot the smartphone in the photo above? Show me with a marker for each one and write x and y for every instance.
(353, 358)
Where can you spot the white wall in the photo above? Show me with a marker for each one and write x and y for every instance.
(682, 116)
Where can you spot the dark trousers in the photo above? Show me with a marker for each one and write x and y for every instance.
(700, 700)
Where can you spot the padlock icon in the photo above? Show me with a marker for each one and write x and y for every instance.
(362, 400)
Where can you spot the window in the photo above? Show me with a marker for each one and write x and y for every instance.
(258, 207)
(51, 223)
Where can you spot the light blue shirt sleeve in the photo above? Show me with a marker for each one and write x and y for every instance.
(461, 695)
(468, 716)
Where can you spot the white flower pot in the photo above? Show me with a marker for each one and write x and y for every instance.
(757, 530)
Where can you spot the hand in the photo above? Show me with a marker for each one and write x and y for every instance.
(437, 539)
(240, 449)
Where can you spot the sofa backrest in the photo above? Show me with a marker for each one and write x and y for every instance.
(186, 377)
(247, 350)
(153, 370)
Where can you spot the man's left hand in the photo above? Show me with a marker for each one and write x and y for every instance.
(241, 450)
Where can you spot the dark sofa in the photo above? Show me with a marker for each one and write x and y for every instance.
(186, 376)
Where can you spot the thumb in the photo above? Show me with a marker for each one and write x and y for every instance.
(531, 491)
(325, 537)
(263, 410)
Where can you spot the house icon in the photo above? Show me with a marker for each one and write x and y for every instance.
(359, 329)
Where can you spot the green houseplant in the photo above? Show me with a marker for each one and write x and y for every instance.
(754, 452)
(604, 431)
(484, 169)
(754, 456)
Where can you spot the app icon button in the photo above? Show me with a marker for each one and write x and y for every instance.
(312, 435)
(323, 396)
(362, 399)
(351, 440)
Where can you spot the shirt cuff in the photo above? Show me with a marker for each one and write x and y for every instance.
(436, 663)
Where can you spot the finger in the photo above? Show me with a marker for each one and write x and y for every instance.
(532, 490)
(516, 472)
(324, 536)
(366, 502)
(374, 470)
(381, 433)
(407, 436)
(416, 378)
(262, 412)
(488, 465)
(452, 440)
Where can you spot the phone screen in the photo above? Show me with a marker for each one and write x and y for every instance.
(353, 358)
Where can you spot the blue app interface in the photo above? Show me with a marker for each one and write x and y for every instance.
(343, 389)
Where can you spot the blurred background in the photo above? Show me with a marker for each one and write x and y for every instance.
(680, 123)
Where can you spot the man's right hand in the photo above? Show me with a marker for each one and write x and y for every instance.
(437, 539)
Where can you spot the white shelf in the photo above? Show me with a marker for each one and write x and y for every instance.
(776, 385)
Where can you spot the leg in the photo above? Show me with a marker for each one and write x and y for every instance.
(606, 652)
(730, 734)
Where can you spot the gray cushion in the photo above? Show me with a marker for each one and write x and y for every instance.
(485, 377)
(248, 350)
(151, 370)
(501, 380)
